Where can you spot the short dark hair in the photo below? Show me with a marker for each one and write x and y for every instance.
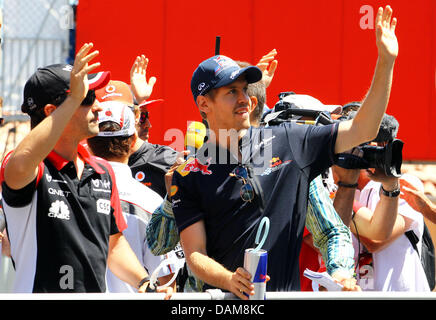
(38, 115)
(110, 147)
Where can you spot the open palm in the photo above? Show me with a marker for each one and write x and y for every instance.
(141, 88)
(387, 42)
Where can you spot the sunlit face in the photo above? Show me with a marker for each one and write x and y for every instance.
(229, 108)
(84, 122)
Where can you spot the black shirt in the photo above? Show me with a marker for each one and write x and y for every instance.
(150, 163)
(283, 160)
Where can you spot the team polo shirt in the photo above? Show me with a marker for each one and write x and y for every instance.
(150, 163)
(284, 159)
(59, 225)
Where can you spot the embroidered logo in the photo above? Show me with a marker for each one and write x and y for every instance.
(275, 164)
(59, 210)
(103, 206)
(140, 176)
(193, 165)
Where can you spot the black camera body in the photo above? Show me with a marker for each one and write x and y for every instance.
(388, 158)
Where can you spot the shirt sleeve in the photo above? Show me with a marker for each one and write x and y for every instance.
(330, 235)
(118, 223)
(184, 202)
(21, 197)
(312, 146)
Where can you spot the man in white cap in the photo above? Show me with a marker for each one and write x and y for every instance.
(114, 143)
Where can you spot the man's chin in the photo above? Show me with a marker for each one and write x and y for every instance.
(144, 136)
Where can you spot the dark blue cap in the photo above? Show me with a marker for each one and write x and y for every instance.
(220, 71)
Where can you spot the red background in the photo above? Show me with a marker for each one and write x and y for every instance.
(322, 51)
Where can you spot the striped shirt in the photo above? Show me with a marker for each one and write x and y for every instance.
(330, 235)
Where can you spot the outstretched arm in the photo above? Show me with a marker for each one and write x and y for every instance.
(22, 166)
(365, 125)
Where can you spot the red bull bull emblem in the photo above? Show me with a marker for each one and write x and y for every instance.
(193, 165)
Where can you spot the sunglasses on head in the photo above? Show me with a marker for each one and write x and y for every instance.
(143, 117)
(247, 191)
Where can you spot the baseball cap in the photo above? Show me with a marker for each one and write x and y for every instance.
(118, 112)
(115, 91)
(219, 71)
(306, 102)
(50, 82)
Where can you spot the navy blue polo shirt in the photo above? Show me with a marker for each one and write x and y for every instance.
(59, 225)
(150, 163)
(283, 160)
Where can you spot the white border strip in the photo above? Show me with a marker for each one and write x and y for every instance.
(219, 295)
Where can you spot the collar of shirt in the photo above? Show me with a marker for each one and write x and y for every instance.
(59, 162)
(121, 168)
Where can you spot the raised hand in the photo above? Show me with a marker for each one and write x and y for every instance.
(386, 40)
(79, 85)
(138, 80)
(266, 61)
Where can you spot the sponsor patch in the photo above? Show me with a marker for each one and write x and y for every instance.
(103, 206)
(193, 165)
(173, 190)
(59, 210)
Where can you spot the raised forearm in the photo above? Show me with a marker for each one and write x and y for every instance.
(370, 114)
(21, 167)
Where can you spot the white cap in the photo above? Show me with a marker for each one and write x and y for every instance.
(304, 101)
(119, 113)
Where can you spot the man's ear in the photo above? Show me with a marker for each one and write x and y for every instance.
(203, 104)
(254, 103)
(49, 108)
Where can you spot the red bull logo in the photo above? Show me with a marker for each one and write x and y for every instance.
(193, 165)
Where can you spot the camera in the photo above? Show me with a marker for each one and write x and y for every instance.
(388, 158)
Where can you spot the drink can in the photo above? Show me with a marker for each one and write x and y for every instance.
(255, 262)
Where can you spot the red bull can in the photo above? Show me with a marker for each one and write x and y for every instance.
(255, 262)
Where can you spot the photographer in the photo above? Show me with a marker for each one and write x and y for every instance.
(386, 258)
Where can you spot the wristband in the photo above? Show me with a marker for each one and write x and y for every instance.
(141, 283)
(347, 185)
(391, 194)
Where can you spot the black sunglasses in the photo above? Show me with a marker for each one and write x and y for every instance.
(247, 191)
(89, 99)
(143, 117)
